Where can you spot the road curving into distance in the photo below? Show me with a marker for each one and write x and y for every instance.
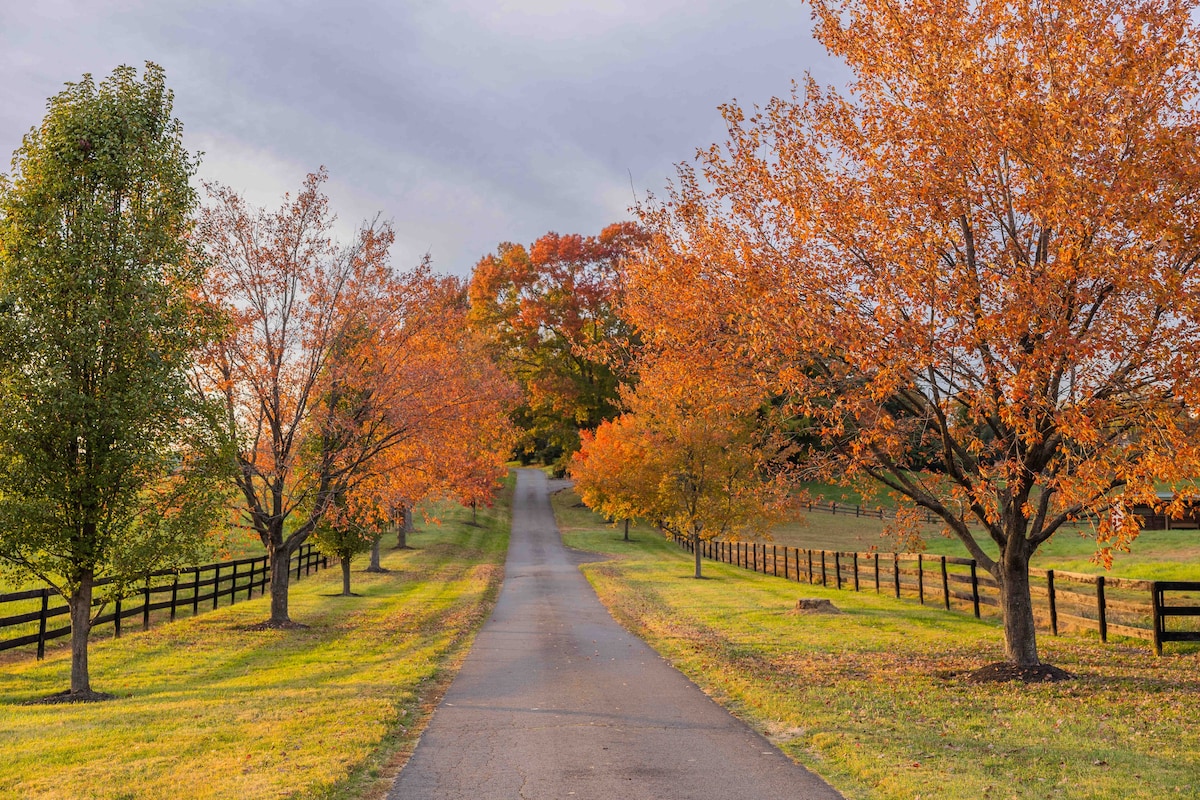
(556, 700)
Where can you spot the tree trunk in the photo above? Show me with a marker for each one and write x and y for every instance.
(627, 529)
(281, 574)
(1020, 636)
(696, 551)
(80, 604)
(474, 513)
(404, 528)
(345, 559)
(375, 566)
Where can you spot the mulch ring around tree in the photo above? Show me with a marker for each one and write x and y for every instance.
(71, 697)
(1005, 671)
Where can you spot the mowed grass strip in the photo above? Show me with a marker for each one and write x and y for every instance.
(207, 708)
(874, 699)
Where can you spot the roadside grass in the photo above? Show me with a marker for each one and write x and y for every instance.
(207, 708)
(874, 699)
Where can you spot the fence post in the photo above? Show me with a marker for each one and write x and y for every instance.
(921, 578)
(837, 569)
(945, 584)
(196, 592)
(233, 586)
(810, 572)
(775, 561)
(41, 649)
(1101, 610)
(146, 606)
(174, 595)
(876, 572)
(1156, 611)
(117, 620)
(974, 589)
(896, 573)
(1053, 607)
(823, 583)
(216, 586)
(856, 571)
(250, 583)
(299, 561)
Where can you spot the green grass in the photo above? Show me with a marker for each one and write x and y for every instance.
(207, 708)
(874, 699)
(1154, 555)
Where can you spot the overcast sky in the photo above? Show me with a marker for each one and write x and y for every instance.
(466, 122)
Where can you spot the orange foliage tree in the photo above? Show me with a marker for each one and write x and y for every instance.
(984, 249)
(694, 453)
(332, 361)
(450, 419)
(416, 374)
(548, 311)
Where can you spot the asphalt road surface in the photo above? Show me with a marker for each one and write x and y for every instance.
(557, 701)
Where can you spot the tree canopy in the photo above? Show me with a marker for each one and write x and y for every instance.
(695, 453)
(985, 249)
(549, 314)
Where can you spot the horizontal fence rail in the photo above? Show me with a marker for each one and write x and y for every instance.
(37, 616)
(1137, 609)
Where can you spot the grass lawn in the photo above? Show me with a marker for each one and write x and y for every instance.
(874, 699)
(207, 708)
(1154, 555)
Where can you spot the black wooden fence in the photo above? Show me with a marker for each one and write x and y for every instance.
(29, 615)
(1138, 609)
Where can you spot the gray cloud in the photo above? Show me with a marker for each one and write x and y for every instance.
(466, 122)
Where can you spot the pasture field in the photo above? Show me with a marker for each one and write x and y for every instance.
(209, 708)
(1154, 555)
(875, 698)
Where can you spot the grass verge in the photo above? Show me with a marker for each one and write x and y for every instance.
(210, 709)
(874, 699)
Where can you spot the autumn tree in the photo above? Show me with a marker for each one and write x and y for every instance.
(296, 299)
(442, 403)
(985, 248)
(549, 312)
(695, 453)
(108, 468)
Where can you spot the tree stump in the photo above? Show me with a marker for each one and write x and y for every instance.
(815, 605)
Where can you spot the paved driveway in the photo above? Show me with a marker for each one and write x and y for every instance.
(556, 700)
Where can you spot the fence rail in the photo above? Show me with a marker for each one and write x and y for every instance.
(28, 615)
(1136, 609)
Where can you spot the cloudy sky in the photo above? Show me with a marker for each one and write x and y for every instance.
(466, 122)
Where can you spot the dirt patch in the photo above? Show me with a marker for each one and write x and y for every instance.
(1004, 672)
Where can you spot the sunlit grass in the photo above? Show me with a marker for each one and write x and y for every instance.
(207, 708)
(874, 699)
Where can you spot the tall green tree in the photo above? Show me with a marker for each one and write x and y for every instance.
(106, 463)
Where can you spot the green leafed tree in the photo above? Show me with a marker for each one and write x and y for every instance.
(107, 466)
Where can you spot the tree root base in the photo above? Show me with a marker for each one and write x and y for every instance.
(72, 697)
(1005, 671)
(272, 625)
(376, 570)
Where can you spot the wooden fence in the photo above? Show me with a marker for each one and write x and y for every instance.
(1134, 608)
(28, 615)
